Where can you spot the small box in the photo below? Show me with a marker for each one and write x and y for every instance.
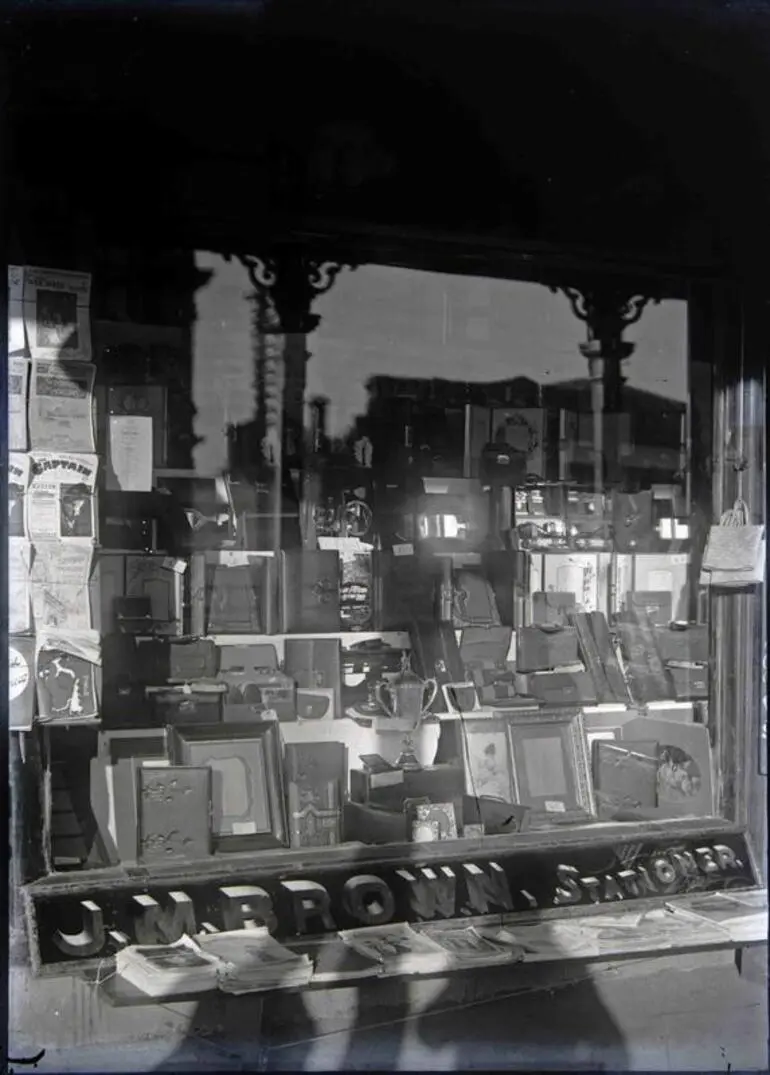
(372, 825)
(691, 683)
(542, 648)
(390, 789)
(167, 660)
(688, 642)
(558, 688)
(178, 705)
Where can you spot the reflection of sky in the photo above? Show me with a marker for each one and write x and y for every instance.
(402, 323)
(380, 320)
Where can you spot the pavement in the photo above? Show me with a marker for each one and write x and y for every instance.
(682, 1013)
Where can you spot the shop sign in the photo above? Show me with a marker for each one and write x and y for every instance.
(84, 927)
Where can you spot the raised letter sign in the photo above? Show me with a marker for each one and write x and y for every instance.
(686, 863)
(567, 890)
(90, 940)
(664, 871)
(431, 895)
(726, 858)
(156, 925)
(368, 899)
(706, 861)
(247, 907)
(612, 888)
(487, 890)
(310, 901)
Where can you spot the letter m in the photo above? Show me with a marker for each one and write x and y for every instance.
(159, 925)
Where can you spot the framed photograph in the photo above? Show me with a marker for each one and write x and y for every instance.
(487, 759)
(247, 801)
(551, 771)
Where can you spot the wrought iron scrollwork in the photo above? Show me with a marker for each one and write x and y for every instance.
(292, 280)
(607, 307)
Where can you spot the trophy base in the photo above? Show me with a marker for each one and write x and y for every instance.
(407, 759)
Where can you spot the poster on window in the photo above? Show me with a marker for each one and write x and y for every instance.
(61, 498)
(61, 409)
(56, 313)
(17, 340)
(66, 666)
(59, 581)
(18, 480)
(18, 384)
(19, 612)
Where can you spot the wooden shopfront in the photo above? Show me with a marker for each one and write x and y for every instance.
(360, 452)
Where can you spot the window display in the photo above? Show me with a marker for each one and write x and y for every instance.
(476, 612)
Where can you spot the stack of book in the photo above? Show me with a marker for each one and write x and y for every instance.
(164, 970)
(251, 961)
(398, 949)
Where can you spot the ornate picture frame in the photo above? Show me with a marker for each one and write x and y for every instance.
(551, 766)
(248, 807)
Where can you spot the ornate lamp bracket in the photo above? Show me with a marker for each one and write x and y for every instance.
(607, 308)
(292, 280)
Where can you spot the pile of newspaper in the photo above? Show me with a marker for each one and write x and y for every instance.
(240, 961)
(251, 961)
(398, 948)
(165, 970)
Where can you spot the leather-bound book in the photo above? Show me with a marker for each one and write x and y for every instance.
(174, 813)
(310, 591)
(618, 692)
(315, 777)
(683, 643)
(405, 589)
(240, 598)
(313, 663)
(592, 656)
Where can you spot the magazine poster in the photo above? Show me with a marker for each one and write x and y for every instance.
(19, 610)
(56, 313)
(18, 480)
(61, 497)
(61, 408)
(21, 683)
(18, 385)
(17, 340)
(60, 586)
(66, 664)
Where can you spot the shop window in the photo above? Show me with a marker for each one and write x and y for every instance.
(402, 560)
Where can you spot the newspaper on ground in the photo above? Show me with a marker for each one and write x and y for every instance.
(57, 314)
(61, 412)
(61, 497)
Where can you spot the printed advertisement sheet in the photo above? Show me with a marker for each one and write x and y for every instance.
(19, 556)
(18, 384)
(56, 313)
(60, 591)
(61, 406)
(18, 481)
(66, 676)
(61, 499)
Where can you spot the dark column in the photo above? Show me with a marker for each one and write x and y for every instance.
(607, 307)
(285, 283)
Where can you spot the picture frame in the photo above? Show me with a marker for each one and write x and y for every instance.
(551, 766)
(248, 805)
(487, 759)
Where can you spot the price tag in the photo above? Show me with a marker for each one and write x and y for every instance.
(407, 549)
(553, 807)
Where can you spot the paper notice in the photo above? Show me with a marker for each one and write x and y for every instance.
(19, 613)
(130, 453)
(56, 313)
(18, 480)
(59, 582)
(66, 666)
(18, 384)
(61, 406)
(61, 501)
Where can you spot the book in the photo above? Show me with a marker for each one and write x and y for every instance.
(174, 819)
(335, 961)
(742, 914)
(315, 775)
(468, 947)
